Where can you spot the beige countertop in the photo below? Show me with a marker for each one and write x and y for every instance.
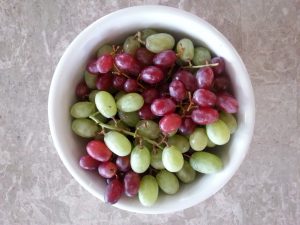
(35, 187)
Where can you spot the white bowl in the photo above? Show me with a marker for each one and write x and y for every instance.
(113, 28)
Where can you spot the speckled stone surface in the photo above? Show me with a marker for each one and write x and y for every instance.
(35, 188)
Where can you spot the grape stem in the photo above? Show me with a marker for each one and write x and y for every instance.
(103, 125)
(200, 66)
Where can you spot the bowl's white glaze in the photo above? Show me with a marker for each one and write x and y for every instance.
(113, 28)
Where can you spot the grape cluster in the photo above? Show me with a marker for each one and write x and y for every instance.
(149, 109)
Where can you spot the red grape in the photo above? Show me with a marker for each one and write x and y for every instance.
(177, 90)
(165, 59)
(92, 66)
(104, 82)
(105, 63)
(170, 123)
(131, 85)
(123, 163)
(152, 75)
(227, 103)
(98, 150)
(113, 191)
(187, 126)
(221, 67)
(82, 91)
(119, 81)
(188, 79)
(127, 64)
(204, 98)
(162, 106)
(205, 116)
(144, 56)
(131, 183)
(205, 77)
(107, 169)
(145, 112)
(88, 163)
(150, 95)
(222, 83)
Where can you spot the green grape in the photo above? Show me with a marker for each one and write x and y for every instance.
(146, 33)
(106, 104)
(167, 182)
(229, 120)
(130, 45)
(156, 159)
(205, 162)
(82, 109)
(172, 159)
(187, 174)
(90, 80)
(140, 159)
(104, 49)
(129, 118)
(185, 49)
(92, 95)
(157, 43)
(180, 142)
(201, 55)
(218, 132)
(210, 144)
(117, 143)
(148, 190)
(198, 139)
(119, 95)
(85, 128)
(118, 124)
(130, 102)
(148, 129)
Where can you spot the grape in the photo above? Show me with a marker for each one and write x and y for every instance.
(117, 143)
(204, 98)
(140, 159)
(105, 63)
(130, 102)
(127, 64)
(92, 66)
(198, 139)
(205, 77)
(131, 85)
(148, 190)
(227, 103)
(187, 126)
(187, 174)
(165, 59)
(218, 132)
(104, 82)
(148, 129)
(222, 83)
(88, 163)
(90, 79)
(130, 45)
(201, 56)
(150, 95)
(119, 81)
(104, 49)
(131, 183)
(92, 96)
(159, 42)
(98, 150)
(107, 169)
(146, 33)
(145, 112)
(82, 109)
(113, 191)
(144, 56)
(221, 67)
(172, 159)
(129, 118)
(185, 49)
(156, 159)
(180, 142)
(188, 79)
(106, 104)
(123, 163)
(205, 162)
(205, 115)
(82, 90)
(152, 75)
(84, 128)
(210, 144)
(170, 123)
(119, 95)
(167, 182)
(177, 90)
(229, 120)
(162, 106)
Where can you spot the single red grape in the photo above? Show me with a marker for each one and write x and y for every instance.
(82, 91)
(188, 79)
(227, 103)
(92, 66)
(205, 116)
(150, 95)
(165, 59)
(162, 106)
(221, 67)
(205, 77)
(177, 90)
(204, 98)
(152, 75)
(118, 82)
(145, 112)
(104, 82)
(107, 169)
(131, 183)
(105, 63)
(127, 64)
(123, 163)
(144, 56)
(170, 123)
(88, 163)
(131, 85)
(113, 191)
(187, 126)
(98, 150)
(222, 83)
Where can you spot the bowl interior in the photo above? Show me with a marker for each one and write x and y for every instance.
(113, 29)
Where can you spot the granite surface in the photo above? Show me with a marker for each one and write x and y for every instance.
(35, 187)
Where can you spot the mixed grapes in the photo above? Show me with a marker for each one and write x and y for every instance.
(152, 110)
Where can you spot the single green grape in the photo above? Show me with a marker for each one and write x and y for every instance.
(180, 142)
(218, 132)
(172, 159)
(148, 190)
(205, 162)
(167, 182)
(146, 33)
(201, 56)
(82, 109)
(117, 143)
(130, 102)
(129, 118)
(157, 43)
(198, 139)
(140, 159)
(187, 174)
(90, 80)
(85, 128)
(156, 159)
(148, 129)
(92, 95)
(185, 49)
(106, 104)
(229, 120)
(130, 45)
(104, 49)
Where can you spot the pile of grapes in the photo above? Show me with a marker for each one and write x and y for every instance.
(150, 109)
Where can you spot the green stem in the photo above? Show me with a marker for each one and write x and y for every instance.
(201, 66)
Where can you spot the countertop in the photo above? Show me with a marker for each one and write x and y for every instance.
(35, 187)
